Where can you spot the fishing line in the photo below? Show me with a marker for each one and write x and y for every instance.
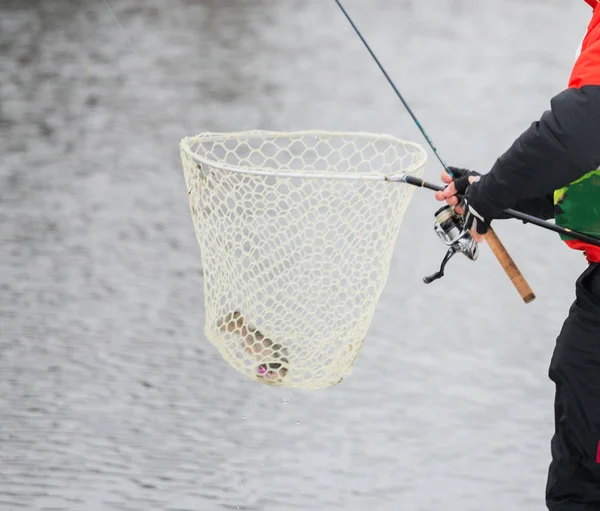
(123, 32)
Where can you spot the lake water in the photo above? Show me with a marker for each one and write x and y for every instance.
(110, 396)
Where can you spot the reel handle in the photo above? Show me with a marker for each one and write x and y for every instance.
(509, 266)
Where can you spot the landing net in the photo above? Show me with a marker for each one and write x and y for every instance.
(296, 232)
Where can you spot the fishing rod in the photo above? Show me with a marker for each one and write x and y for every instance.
(449, 226)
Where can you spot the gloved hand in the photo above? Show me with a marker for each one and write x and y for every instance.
(463, 181)
(471, 207)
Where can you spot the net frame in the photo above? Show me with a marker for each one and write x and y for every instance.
(222, 329)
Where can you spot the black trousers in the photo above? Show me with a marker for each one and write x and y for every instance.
(574, 474)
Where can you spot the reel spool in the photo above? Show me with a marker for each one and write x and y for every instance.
(449, 226)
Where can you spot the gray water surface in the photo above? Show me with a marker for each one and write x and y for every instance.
(111, 397)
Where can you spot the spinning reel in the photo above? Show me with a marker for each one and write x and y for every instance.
(449, 226)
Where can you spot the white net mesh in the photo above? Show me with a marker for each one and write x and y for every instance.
(296, 232)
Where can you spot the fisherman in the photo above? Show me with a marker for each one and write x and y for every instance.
(553, 170)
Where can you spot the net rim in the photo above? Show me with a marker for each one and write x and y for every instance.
(184, 145)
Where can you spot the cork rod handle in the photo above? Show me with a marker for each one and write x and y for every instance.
(509, 266)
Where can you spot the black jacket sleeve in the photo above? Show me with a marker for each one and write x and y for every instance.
(554, 151)
(540, 207)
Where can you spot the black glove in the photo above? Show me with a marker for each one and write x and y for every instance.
(473, 219)
(461, 178)
(540, 207)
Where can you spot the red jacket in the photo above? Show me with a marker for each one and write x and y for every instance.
(586, 70)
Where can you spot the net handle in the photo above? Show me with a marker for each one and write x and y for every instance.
(509, 266)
